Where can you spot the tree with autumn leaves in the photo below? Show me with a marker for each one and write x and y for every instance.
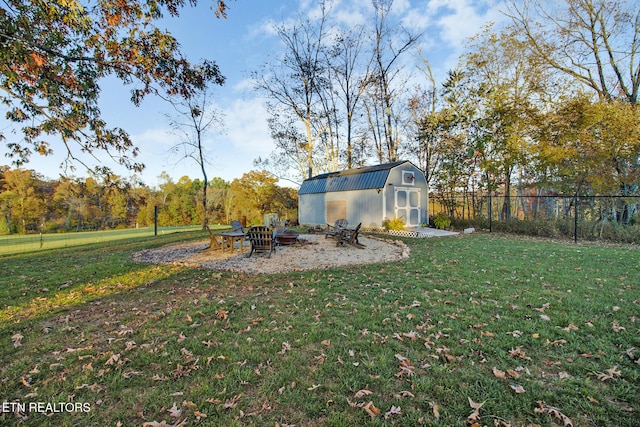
(54, 54)
(31, 203)
(550, 104)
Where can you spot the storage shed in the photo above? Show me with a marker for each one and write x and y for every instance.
(367, 195)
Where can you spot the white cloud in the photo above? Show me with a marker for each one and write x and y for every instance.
(247, 130)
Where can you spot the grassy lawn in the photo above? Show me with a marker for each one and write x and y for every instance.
(20, 243)
(471, 330)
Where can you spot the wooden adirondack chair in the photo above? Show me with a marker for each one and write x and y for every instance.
(335, 229)
(350, 236)
(263, 239)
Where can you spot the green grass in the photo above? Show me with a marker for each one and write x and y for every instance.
(20, 243)
(468, 317)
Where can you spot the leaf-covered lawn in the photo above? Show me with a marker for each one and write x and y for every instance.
(471, 330)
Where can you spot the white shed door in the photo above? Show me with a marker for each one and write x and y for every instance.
(407, 205)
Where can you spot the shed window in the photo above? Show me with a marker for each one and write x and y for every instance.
(408, 178)
(336, 209)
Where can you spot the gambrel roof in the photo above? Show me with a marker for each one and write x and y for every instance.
(364, 178)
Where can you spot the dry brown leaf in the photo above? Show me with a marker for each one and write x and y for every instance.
(174, 411)
(182, 423)
(474, 417)
(614, 372)
(199, 415)
(411, 335)
(222, 314)
(499, 374)
(617, 328)
(114, 359)
(395, 410)
(17, 338)
(517, 388)
(326, 343)
(372, 410)
(285, 347)
(436, 409)
(545, 317)
(362, 393)
(232, 402)
(555, 412)
(513, 374)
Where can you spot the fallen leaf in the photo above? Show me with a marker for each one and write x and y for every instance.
(285, 347)
(517, 388)
(199, 415)
(475, 415)
(436, 410)
(222, 314)
(395, 410)
(513, 374)
(545, 317)
(499, 374)
(17, 338)
(544, 409)
(614, 372)
(174, 411)
(362, 393)
(182, 423)
(232, 402)
(372, 410)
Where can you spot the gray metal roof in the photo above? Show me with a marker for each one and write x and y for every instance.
(350, 179)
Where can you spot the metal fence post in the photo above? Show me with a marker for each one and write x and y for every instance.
(155, 220)
(490, 213)
(575, 218)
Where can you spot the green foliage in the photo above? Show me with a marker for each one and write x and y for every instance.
(442, 221)
(30, 204)
(393, 224)
(55, 53)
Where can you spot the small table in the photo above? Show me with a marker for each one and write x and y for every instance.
(230, 237)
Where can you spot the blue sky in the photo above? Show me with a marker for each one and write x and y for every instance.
(239, 45)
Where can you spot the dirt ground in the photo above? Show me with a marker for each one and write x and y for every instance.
(314, 252)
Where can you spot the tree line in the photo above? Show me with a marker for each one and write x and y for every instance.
(30, 203)
(545, 104)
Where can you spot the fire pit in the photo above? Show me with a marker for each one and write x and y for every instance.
(286, 237)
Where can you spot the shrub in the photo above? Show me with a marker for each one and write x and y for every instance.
(393, 224)
(442, 221)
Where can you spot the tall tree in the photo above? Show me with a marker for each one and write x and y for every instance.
(351, 73)
(388, 49)
(194, 119)
(595, 42)
(508, 83)
(55, 52)
(20, 200)
(295, 79)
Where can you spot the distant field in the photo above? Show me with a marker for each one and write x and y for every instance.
(17, 243)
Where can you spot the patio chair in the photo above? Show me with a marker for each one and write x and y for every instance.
(335, 229)
(350, 236)
(263, 239)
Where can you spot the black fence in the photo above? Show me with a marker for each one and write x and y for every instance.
(580, 217)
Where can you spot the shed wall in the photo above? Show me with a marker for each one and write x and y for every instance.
(363, 206)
